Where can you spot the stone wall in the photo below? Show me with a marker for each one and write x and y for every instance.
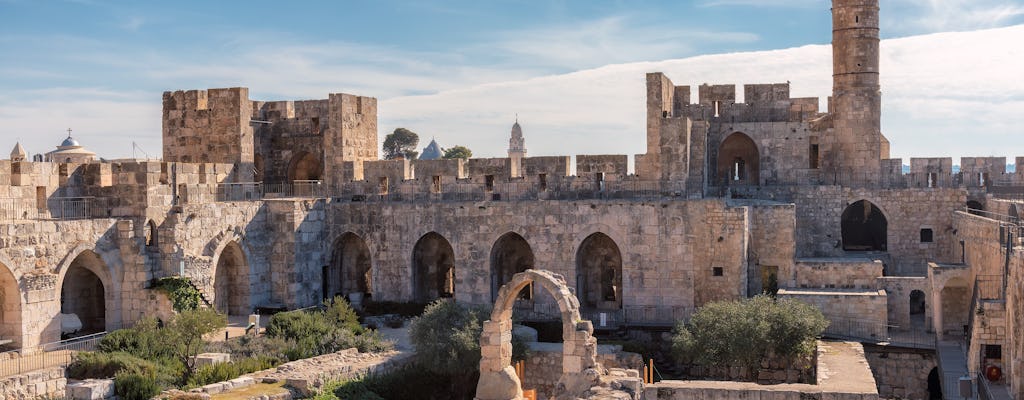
(901, 374)
(851, 312)
(42, 383)
(543, 367)
(841, 273)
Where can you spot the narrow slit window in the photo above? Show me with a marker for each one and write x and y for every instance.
(316, 126)
(543, 180)
(489, 182)
(717, 105)
(599, 177)
(814, 156)
(382, 185)
(436, 184)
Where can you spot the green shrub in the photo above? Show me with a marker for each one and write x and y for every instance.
(745, 332)
(97, 365)
(184, 296)
(227, 371)
(252, 346)
(312, 333)
(411, 382)
(134, 386)
(448, 334)
(145, 340)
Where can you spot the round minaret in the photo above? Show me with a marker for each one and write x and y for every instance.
(517, 149)
(856, 96)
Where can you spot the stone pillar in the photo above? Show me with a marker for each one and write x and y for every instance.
(498, 379)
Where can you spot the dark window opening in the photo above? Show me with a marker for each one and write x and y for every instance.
(599, 177)
(856, 19)
(993, 351)
(926, 235)
(932, 178)
(543, 179)
(382, 185)
(864, 227)
(316, 126)
(739, 170)
(489, 182)
(717, 271)
(718, 105)
(814, 156)
(435, 185)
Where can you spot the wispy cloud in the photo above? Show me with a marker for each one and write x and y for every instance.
(958, 15)
(133, 23)
(602, 41)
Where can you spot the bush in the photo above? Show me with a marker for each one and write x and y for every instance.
(106, 365)
(743, 333)
(184, 296)
(134, 386)
(144, 340)
(412, 382)
(252, 346)
(448, 334)
(230, 370)
(312, 333)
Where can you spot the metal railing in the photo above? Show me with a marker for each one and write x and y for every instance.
(656, 315)
(49, 355)
(989, 287)
(59, 208)
(858, 329)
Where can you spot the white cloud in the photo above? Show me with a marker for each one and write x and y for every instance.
(603, 41)
(819, 4)
(958, 15)
(950, 94)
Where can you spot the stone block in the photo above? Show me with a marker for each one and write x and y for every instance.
(92, 389)
(205, 359)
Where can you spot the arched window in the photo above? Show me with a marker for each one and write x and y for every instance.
(231, 281)
(599, 273)
(511, 254)
(739, 162)
(864, 227)
(433, 268)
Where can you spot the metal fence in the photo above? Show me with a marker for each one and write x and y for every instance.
(858, 329)
(60, 208)
(49, 355)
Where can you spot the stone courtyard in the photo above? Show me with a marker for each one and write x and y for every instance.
(269, 205)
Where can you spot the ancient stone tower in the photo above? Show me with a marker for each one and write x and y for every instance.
(856, 97)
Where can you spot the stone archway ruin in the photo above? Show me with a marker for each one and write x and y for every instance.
(580, 369)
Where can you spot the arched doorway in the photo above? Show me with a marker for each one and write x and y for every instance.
(975, 207)
(231, 281)
(934, 385)
(917, 310)
(739, 162)
(864, 227)
(510, 255)
(349, 271)
(10, 307)
(304, 167)
(498, 378)
(152, 236)
(599, 273)
(83, 294)
(433, 268)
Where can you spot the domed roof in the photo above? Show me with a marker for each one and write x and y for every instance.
(432, 151)
(69, 142)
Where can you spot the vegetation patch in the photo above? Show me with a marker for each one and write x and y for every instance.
(184, 296)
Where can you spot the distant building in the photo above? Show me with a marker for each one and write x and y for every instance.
(70, 151)
(433, 151)
(18, 154)
(517, 149)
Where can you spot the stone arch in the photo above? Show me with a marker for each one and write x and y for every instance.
(231, 280)
(580, 370)
(86, 292)
(433, 268)
(350, 269)
(975, 207)
(864, 227)
(152, 235)
(10, 306)
(739, 161)
(510, 254)
(599, 273)
(304, 166)
(918, 309)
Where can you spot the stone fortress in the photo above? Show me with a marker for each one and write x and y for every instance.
(280, 204)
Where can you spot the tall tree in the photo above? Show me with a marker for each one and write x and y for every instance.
(401, 144)
(457, 151)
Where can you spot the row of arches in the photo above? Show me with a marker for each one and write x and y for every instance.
(86, 299)
(434, 270)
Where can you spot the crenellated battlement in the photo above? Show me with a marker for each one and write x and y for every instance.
(762, 102)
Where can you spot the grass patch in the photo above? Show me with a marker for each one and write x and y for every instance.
(251, 391)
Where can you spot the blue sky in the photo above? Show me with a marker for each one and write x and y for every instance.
(100, 67)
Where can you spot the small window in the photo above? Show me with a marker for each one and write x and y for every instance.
(856, 19)
(543, 180)
(489, 182)
(814, 156)
(717, 271)
(40, 197)
(151, 235)
(926, 235)
(932, 177)
(316, 126)
(993, 351)
(436, 184)
(599, 177)
(382, 185)
(717, 105)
